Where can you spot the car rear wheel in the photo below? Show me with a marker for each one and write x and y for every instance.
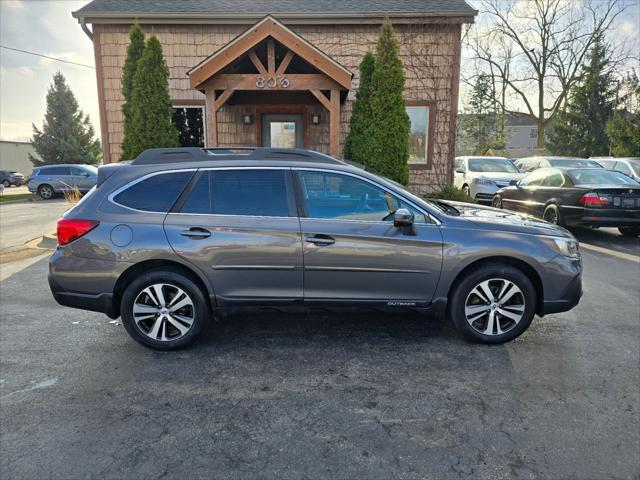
(552, 215)
(493, 304)
(164, 310)
(497, 201)
(629, 231)
(46, 192)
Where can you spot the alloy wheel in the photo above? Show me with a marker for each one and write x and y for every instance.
(163, 312)
(497, 202)
(551, 216)
(46, 192)
(494, 306)
(6, 183)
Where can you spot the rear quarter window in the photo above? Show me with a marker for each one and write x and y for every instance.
(157, 193)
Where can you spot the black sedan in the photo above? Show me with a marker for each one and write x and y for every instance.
(576, 196)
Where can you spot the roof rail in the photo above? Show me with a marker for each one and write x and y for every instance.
(158, 156)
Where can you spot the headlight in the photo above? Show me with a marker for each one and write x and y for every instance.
(564, 246)
(482, 181)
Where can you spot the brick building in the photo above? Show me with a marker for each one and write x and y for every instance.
(284, 72)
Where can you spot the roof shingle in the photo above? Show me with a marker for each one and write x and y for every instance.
(275, 7)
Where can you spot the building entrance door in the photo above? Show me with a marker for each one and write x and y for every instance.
(282, 130)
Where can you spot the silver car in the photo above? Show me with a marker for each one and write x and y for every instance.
(179, 234)
(49, 180)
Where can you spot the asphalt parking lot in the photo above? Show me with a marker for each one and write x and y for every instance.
(325, 396)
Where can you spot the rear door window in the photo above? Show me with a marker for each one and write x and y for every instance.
(55, 171)
(157, 193)
(553, 179)
(258, 193)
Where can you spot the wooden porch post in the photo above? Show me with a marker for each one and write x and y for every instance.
(212, 123)
(334, 123)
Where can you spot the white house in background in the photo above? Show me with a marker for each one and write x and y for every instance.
(14, 155)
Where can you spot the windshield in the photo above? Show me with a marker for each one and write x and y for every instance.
(93, 170)
(492, 165)
(600, 177)
(575, 163)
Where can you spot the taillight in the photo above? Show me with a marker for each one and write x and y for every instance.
(592, 199)
(70, 230)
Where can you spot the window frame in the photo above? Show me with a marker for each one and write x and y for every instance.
(431, 127)
(291, 200)
(430, 219)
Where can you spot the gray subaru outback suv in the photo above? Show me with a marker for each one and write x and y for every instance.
(175, 236)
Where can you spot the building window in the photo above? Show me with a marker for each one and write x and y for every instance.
(419, 135)
(189, 120)
(533, 133)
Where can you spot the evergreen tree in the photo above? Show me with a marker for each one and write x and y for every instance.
(624, 127)
(355, 147)
(67, 135)
(151, 109)
(134, 53)
(580, 130)
(480, 122)
(388, 143)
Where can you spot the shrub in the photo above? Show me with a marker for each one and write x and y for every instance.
(451, 193)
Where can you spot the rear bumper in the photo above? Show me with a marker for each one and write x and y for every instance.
(607, 217)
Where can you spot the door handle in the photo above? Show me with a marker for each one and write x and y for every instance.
(321, 240)
(197, 233)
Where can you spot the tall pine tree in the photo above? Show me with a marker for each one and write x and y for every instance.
(624, 127)
(479, 125)
(151, 109)
(134, 53)
(67, 135)
(580, 130)
(388, 145)
(355, 147)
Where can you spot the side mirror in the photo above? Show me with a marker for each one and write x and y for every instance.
(513, 183)
(459, 170)
(402, 218)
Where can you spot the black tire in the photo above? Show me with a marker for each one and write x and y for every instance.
(552, 215)
(466, 190)
(629, 231)
(46, 192)
(462, 290)
(6, 183)
(496, 202)
(200, 309)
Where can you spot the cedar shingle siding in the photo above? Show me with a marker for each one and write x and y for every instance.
(430, 51)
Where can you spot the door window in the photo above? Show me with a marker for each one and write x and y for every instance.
(77, 171)
(157, 193)
(554, 179)
(239, 192)
(343, 197)
(56, 171)
(536, 178)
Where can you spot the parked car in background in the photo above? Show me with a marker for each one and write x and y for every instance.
(179, 234)
(10, 177)
(630, 166)
(50, 180)
(529, 164)
(481, 177)
(576, 196)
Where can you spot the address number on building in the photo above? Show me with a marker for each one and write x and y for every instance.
(274, 81)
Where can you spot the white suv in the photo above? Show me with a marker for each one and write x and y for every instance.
(481, 177)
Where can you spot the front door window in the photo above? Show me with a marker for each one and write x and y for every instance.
(282, 131)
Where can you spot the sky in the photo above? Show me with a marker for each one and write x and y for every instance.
(47, 27)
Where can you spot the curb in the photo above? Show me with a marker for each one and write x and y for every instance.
(32, 248)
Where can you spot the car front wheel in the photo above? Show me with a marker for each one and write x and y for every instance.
(6, 183)
(163, 309)
(497, 201)
(493, 304)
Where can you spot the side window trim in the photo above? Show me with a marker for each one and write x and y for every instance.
(430, 219)
(291, 200)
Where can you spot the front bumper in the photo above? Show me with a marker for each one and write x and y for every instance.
(569, 298)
